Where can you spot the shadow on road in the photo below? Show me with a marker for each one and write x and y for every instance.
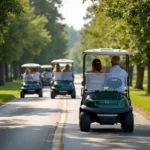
(106, 138)
(27, 137)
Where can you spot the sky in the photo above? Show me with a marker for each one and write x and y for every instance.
(73, 11)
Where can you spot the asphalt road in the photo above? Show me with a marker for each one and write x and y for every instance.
(31, 123)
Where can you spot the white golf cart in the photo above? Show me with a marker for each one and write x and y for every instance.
(105, 96)
(31, 86)
(63, 82)
(47, 75)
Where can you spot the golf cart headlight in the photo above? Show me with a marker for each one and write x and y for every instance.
(90, 99)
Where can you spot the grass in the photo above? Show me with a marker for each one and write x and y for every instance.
(139, 97)
(10, 90)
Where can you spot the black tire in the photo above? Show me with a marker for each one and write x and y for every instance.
(22, 94)
(128, 122)
(84, 122)
(40, 93)
(73, 94)
(53, 94)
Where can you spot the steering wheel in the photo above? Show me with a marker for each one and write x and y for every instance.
(114, 83)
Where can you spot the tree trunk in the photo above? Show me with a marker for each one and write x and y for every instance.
(2, 74)
(131, 74)
(6, 73)
(15, 70)
(139, 77)
(11, 72)
(148, 76)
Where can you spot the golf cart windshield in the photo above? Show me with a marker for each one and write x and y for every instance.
(105, 82)
(62, 76)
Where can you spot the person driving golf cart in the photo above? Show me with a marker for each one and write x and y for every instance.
(47, 73)
(66, 68)
(115, 61)
(105, 96)
(36, 75)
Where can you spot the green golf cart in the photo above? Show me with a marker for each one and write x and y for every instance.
(63, 82)
(105, 96)
(47, 75)
(31, 86)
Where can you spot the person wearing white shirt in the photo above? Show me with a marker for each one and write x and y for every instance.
(47, 74)
(36, 75)
(118, 72)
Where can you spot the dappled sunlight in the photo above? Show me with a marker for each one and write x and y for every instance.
(107, 137)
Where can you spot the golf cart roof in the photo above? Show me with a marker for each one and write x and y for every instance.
(106, 51)
(62, 61)
(46, 66)
(31, 65)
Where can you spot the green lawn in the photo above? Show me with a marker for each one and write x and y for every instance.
(139, 97)
(10, 90)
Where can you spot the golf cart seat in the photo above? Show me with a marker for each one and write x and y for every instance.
(94, 81)
(115, 82)
(105, 82)
(48, 75)
(63, 76)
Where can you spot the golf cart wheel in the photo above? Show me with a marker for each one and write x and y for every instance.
(22, 94)
(73, 94)
(128, 122)
(53, 95)
(85, 122)
(40, 93)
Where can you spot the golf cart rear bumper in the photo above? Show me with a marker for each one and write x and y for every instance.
(45, 84)
(105, 110)
(31, 91)
(65, 89)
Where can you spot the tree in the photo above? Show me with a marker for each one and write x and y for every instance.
(8, 7)
(73, 36)
(58, 47)
(25, 34)
(76, 52)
